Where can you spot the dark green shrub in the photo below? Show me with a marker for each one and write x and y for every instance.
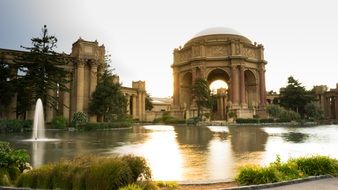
(15, 125)
(249, 120)
(59, 122)
(79, 119)
(12, 158)
(267, 120)
(139, 167)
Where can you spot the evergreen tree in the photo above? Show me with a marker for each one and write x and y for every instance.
(149, 104)
(201, 94)
(107, 100)
(42, 70)
(7, 85)
(294, 96)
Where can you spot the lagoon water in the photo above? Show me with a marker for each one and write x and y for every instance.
(186, 152)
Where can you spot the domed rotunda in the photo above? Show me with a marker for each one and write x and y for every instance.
(221, 54)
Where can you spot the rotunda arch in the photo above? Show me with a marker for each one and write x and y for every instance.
(251, 88)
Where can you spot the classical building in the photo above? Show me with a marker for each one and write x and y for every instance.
(221, 54)
(85, 62)
(327, 100)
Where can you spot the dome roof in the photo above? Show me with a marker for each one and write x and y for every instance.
(217, 30)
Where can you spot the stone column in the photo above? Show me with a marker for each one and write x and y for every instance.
(221, 109)
(66, 102)
(234, 85)
(262, 87)
(134, 107)
(93, 84)
(242, 83)
(80, 86)
(176, 89)
(128, 104)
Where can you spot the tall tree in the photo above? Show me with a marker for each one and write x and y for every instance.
(43, 70)
(7, 84)
(149, 105)
(201, 94)
(294, 96)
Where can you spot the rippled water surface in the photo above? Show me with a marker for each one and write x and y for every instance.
(187, 153)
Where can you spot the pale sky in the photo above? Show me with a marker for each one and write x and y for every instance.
(300, 36)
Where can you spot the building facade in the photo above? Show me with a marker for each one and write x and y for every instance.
(221, 54)
(85, 62)
(327, 100)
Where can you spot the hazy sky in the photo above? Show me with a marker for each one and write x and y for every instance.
(300, 36)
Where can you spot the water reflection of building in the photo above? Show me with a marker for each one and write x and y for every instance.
(194, 136)
(247, 139)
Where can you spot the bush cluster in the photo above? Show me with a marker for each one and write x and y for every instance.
(255, 120)
(282, 114)
(12, 163)
(168, 119)
(59, 122)
(88, 173)
(292, 169)
(15, 125)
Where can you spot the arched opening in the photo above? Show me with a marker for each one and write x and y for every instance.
(186, 87)
(218, 84)
(251, 87)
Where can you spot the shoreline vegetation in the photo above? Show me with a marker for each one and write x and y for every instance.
(131, 172)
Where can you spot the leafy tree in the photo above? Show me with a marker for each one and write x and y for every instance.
(42, 70)
(149, 104)
(313, 111)
(201, 94)
(79, 119)
(108, 100)
(7, 84)
(294, 96)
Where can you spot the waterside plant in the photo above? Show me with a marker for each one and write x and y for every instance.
(292, 169)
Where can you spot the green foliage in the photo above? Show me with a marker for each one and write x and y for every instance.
(313, 111)
(42, 71)
(15, 125)
(12, 158)
(108, 100)
(149, 104)
(232, 114)
(282, 114)
(201, 94)
(167, 184)
(59, 122)
(131, 187)
(249, 120)
(12, 163)
(7, 84)
(168, 119)
(79, 119)
(317, 165)
(4, 178)
(88, 173)
(295, 97)
(292, 169)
